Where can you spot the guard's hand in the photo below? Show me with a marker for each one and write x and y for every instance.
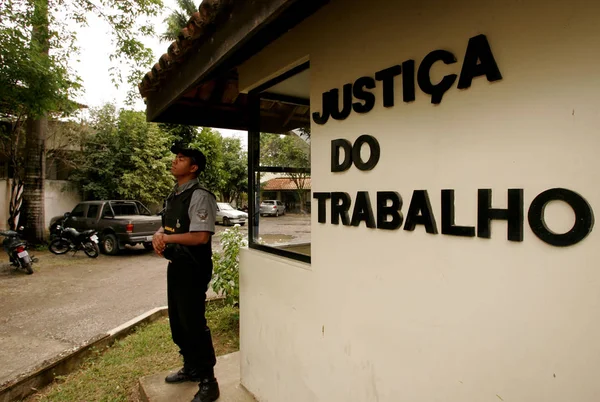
(158, 242)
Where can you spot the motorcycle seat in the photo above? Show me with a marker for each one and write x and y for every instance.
(75, 233)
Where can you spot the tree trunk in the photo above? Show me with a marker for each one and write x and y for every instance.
(35, 152)
(34, 182)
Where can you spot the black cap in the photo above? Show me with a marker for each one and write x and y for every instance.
(196, 155)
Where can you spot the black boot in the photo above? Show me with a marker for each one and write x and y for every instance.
(185, 374)
(208, 391)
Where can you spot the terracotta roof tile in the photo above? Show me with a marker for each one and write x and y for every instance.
(199, 28)
(284, 183)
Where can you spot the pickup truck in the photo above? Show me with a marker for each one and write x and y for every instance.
(117, 222)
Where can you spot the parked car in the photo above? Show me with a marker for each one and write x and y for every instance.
(228, 215)
(117, 222)
(272, 207)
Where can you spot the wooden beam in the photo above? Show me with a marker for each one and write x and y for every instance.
(292, 113)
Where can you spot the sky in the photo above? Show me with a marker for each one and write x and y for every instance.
(94, 64)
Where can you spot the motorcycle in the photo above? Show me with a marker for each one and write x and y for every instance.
(69, 239)
(16, 248)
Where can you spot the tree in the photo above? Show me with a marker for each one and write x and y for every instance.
(226, 171)
(180, 133)
(178, 19)
(288, 151)
(235, 170)
(35, 78)
(32, 83)
(125, 157)
(210, 142)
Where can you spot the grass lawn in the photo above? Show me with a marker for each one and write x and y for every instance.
(112, 374)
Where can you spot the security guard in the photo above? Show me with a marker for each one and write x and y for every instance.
(185, 240)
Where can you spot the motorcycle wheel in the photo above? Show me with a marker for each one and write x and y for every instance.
(59, 246)
(27, 268)
(91, 249)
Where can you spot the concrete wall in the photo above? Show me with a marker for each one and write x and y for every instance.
(410, 316)
(61, 197)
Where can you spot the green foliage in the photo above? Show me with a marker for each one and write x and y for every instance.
(288, 151)
(226, 267)
(284, 150)
(32, 80)
(235, 170)
(210, 142)
(179, 132)
(178, 19)
(38, 41)
(125, 157)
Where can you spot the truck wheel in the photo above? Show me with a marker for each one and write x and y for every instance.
(226, 221)
(110, 245)
(148, 246)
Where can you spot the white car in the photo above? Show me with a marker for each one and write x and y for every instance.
(228, 215)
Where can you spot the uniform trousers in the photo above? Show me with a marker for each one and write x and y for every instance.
(186, 293)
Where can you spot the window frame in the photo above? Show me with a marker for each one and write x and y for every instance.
(254, 167)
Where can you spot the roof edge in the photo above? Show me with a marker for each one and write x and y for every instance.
(245, 21)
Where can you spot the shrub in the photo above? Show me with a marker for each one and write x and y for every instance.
(226, 266)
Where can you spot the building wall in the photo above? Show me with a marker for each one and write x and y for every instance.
(61, 197)
(410, 316)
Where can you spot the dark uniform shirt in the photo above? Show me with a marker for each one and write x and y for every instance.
(203, 208)
(190, 208)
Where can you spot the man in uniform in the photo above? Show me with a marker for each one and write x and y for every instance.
(185, 240)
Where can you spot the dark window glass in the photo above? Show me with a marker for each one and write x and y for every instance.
(79, 210)
(93, 211)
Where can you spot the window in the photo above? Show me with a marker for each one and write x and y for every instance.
(107, 212)
(93, 211)
(124, 208)
(78, 211)
(279, 166)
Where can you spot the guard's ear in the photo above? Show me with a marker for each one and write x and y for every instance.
(194, 169)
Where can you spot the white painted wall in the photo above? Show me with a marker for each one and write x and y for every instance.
(408, 316)
(61, 197)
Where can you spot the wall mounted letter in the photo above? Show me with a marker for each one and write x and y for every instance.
(361, 94)
(362, 210)
(384, 210)
(513, 214)
(334, 103)
(387, 76)
(335, 155)
(436, 91)
(374, 152)
(584, 217)
(478, 50)
(448, 226)
(340, 209)
(420, 213)
(321, 205)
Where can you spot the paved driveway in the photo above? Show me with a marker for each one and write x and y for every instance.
(71, 299)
